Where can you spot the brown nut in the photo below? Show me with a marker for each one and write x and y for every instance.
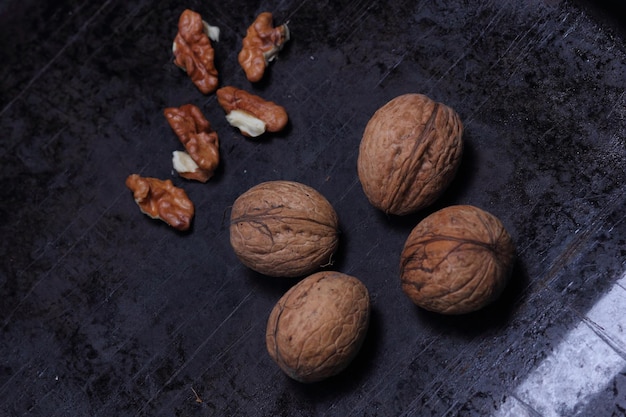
(409, 153)
(261, 45)
(193, 51)
(283, 229)
(162, 200)
(457, 260)
(199, 139)
(251, 114)
(318, 326)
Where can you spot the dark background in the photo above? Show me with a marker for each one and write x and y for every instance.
(105, 312)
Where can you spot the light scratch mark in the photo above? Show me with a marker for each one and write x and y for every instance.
(195, 353)
(45, 68)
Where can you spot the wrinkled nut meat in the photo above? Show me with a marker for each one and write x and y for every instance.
(261, 45)
(162, 200)
(193, 51)
(251, 114)
(199, 139)
(318, 326)
(283, 229)
(457, 260)
(410, 152)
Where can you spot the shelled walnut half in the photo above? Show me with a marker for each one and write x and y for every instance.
(261, 45)
(251, 114)
(200, 140)
(162, 200)
(193, 51)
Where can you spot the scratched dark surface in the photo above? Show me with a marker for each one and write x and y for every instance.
(105, 312)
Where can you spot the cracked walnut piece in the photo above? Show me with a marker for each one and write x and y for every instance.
(251, 114)
(162, 200)
(193, 51)
(200, 140)
(261, 45)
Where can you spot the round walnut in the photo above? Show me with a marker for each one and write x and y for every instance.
(318, 326)
(409, 153)
(457, 260)
(283, 229)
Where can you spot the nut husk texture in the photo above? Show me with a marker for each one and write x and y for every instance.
(410, 152)
(457, 260)
(283, 229)
(318, 326)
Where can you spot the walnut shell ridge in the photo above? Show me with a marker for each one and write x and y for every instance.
(409, 153)
(316, 329)
(457, 260)
(283, 229)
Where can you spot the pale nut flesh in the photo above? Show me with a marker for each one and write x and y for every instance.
(187, 168)
(283, 229)
(319, 325)
(409, 153)
(457, 260)
(247, 124)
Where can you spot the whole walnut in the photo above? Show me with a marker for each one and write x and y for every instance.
(283, 229)
(457, 260)
(318, 326)
(410, 152)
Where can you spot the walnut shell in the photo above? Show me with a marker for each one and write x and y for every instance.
(318, 326)
(283, 229)
(410, 152)
(457, 260)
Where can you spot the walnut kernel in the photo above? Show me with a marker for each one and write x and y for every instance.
(251, 114)
(200, 141)
(193, 51)
(161, 200)
(261, 45)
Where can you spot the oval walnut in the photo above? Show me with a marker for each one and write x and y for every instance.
(457, 260)
(283, 229)
(410, 152)
(318, 326)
